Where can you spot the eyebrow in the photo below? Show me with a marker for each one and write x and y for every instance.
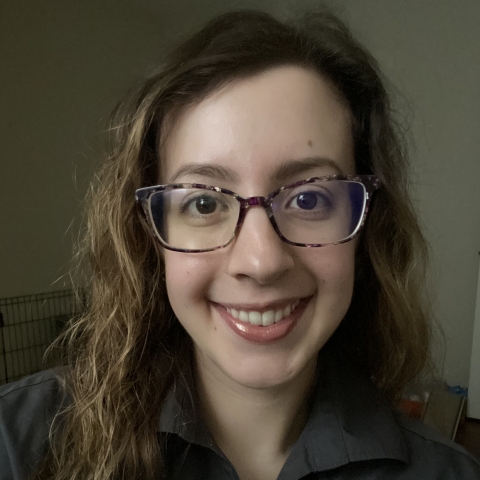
(294, 167)
(214, 171)
(283, 172)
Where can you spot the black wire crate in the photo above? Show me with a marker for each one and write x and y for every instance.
(28, 326)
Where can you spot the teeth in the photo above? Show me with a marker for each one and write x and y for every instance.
(266, 318)
(255, 318)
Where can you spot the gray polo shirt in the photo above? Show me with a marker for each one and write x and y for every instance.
(350, 435)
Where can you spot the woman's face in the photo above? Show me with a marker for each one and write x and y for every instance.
(259, 134)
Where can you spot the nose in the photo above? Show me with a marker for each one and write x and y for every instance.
(258, 252)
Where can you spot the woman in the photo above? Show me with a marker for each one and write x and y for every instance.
(248, 318)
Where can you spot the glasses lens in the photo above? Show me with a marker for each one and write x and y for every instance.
(194, 218)
(320, 212)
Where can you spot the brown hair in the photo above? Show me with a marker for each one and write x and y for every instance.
(126, 352)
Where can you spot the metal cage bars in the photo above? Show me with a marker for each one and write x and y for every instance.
(28, 326)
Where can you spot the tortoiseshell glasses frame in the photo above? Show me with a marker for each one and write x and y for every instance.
(143, 195)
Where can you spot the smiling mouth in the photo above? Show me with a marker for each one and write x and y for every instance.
(249, 324)
(266, 318)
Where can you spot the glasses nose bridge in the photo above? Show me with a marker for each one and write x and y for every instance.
(255, 202)
(264, 202)
(247, 203)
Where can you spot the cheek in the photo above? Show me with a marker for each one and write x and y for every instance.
(188, 278)
(334, 270)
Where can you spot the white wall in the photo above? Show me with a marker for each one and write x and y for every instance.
(65, 63)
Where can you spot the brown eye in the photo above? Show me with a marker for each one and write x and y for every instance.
(205, 205)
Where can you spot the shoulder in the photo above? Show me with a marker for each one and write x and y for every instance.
(397, 447)
(27, 410)
(42, 381)
(431, 452)
(30, 399)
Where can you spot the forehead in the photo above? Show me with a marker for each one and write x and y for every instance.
(255, 126)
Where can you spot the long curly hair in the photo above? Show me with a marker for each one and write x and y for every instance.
(125, 353)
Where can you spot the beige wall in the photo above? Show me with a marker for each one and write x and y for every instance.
(431, 52)
(63, 67)
(65, 64)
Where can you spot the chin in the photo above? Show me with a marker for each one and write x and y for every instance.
(259, 370)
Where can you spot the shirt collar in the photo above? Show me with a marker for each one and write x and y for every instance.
(348, 421)
(179, 416)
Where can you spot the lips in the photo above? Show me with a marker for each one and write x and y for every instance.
(258, 331)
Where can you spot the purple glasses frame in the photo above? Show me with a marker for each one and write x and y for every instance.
(142, 195)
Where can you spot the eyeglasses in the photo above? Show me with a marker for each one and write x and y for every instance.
(319, 211)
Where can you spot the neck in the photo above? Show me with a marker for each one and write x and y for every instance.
(254, 427)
